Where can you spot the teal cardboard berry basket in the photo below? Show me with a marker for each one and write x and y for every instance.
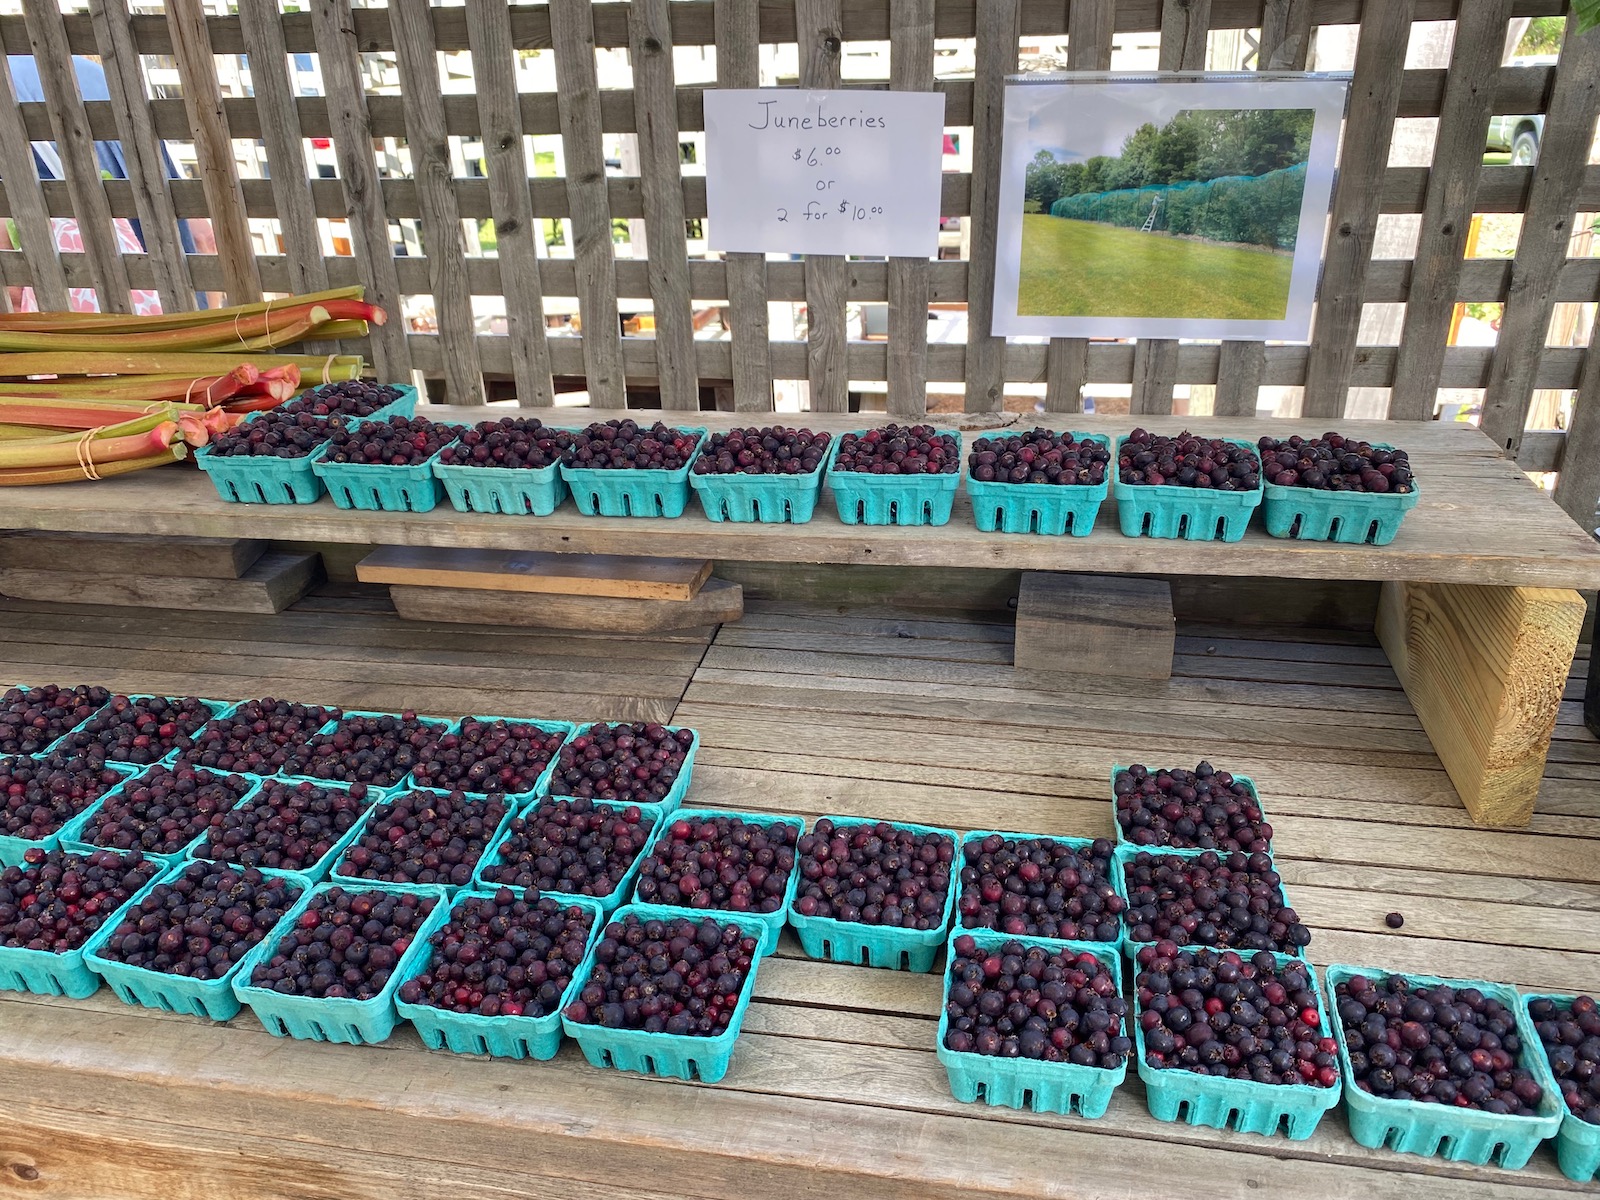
(14, 849)
(54, 745)
(978, 835)
(248, 479)
(1577, 1141)
(860, 944)
(315, 871)
(1244, 1105)
(353, 1022)
(351, 882)
(773, 921)
(1432, 1130)
(1191, 514)
(45, 973)
(514, 491)
(1027, 1083)
(537, 1038)
(1052, 508)
(375, 487)
(166, 992)
(623, 492)
(514, 799)
(439, 723)
(1122, 834)
(74, 832)
(866, 499)
(1119, 880)
(676, 1056)
(768, 499)
(651, 816)
(675, 794)
(1355, 518)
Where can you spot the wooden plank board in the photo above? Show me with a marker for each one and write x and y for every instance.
(25, 196)
(820, 50)
(1094, 625)
(1485, 668)
(562, 574)
(713, 604)
(429, 143)
(998, 28)
(1480, 520)
(272, 583)
(910, 70)
(738, 66)
(210, 558)
(213, 147)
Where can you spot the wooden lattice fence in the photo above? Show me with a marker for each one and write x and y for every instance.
(411, 34)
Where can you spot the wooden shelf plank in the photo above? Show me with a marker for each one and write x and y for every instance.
(532, 571)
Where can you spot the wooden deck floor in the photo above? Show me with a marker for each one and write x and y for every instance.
(834, 1089)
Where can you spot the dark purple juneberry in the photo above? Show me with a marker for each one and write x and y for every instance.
(1228, 901)
(1039, 887)
(1217, 1013)
(899, 450)
(201, 924)
(1039, 456)
(635, 763)
(347, 398)
(1188, 461)
(874, 874)
(719, 862)
(1202, 809)
(488, 758)
(1017, 1000)
(275, 433)
(423, 837)
(345, 945)
(380, 750)
(1436, 1043)
(32, 718)
(512, 442)
(40, 795)
(771, 450)
(396, 442)
(287, 826)
(1335, 463)
(576, 846)
(624, 445)
(678, 976)
(1569, 1031)
(257, 738)
(55, 901)
(163, 809)
(507, 955)
(141, 731)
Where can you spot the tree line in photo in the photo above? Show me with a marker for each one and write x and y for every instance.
(1228, 175)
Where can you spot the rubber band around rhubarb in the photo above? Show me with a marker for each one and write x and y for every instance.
(327, 370)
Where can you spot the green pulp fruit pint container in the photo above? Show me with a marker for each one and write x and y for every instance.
(1053, 508)
(1168, 510)
(866, 499)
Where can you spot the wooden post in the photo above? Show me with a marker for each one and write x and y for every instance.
(1094, 625)
(1485, 668)
(910, 70)
(820, 35)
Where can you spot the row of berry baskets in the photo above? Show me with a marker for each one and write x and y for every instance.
(977, 954)
(862, 493)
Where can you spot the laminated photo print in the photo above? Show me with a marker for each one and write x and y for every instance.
(1182, 205)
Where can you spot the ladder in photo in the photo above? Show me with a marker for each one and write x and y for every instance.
(1150, 221)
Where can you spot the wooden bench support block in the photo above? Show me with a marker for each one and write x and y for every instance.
(532, 571)
(1095, 625)
(716, 603)
(1485, 668)
(135, 554)
(273, 583)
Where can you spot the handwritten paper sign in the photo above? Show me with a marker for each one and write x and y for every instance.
(824, 172)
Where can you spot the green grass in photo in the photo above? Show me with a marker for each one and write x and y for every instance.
(1086, 269)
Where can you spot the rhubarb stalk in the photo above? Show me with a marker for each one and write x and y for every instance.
(28, 476)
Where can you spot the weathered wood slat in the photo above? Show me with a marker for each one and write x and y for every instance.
(495, 81)
(1578, 488)
(1542, 245)
(286, 157)
(821, 46)
(26, 203)
(1447, 215)
(572, 34)
(999, 21)
(418, 60)
(738, 57)
(1369, 126)
(911, 70)
(58, 76)
(213, 148)
(1155, 372)
(1091, 25)
(650, 51)
(360, 201)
